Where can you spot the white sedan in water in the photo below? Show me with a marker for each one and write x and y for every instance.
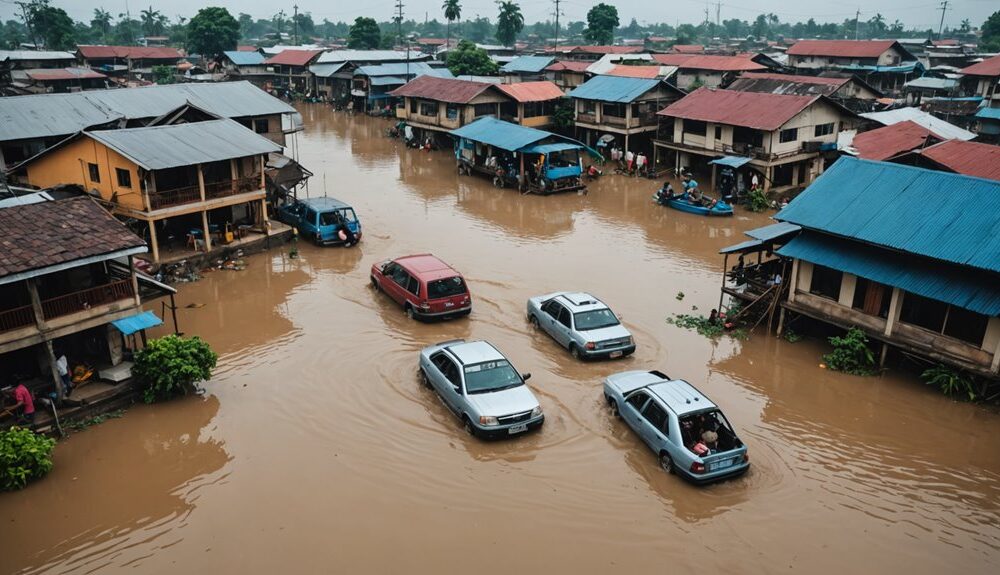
(582, 324)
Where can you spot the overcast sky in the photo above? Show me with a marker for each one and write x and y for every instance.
(919, 13)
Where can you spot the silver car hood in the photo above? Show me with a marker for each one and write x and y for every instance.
(505, 402)
(606, 333)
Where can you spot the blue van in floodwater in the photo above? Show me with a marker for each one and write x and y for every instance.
(321, 220)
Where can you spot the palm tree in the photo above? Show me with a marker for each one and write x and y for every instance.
(102, 21)
(510, 22)
(452, 11)
(153, 22)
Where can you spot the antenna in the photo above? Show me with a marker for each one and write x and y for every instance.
(555, 41)
(944, 8)
(857, 20)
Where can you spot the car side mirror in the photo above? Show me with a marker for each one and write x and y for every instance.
(525, 376)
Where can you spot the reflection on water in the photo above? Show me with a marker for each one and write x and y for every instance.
(337, 459)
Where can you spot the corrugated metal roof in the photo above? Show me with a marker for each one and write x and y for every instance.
(609, 61)
(687, 48)
(928, 83)
(244, 58)
(841, 48)
(748, 109)
(939, 215)
(131, 52)
(279, 48)
(904, 68)
(46, 115)
(51, 74)
(403, 69)
(613, 89)
(731, 161)
(388, 81)
(326, 70)
(442, 89)
(529, 64)
(15, 55)
(745, 245)
(890, 141)
(568, 66)
(936, 125)
(989, 113)
(711, 62)
(969, 158)
(161, 147)
(648, 72)
(597, 49)
(532, 91)
(787, 84)
(961, 286)
(293, 58)
(988, 67)
(364, 56)
(773, 231)
(500, 134)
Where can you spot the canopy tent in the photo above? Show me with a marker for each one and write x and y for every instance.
(516, 138)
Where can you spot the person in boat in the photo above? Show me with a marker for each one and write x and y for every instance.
(666, 192)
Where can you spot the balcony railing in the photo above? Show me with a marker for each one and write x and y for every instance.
(17, 317)
(88, 298)
(231, 187)
(191, 194)
(165, 199)
(587, 118)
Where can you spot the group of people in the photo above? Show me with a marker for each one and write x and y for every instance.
(629, 162)
(701, 434)
(690, 192)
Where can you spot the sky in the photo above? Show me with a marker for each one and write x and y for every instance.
(922, 14)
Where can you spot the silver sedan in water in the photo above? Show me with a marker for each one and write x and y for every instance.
(582, 324)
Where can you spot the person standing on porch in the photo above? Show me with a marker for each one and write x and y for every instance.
(62, 366)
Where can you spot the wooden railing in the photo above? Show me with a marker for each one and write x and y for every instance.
(588, 118)
(17, 317)
(165, 199)
(192, 194)
(232, 187)
(88, 298)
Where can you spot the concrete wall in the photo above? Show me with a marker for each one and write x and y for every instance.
(68, 165)
(806, 121)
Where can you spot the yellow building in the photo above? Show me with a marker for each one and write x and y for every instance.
(188, 182)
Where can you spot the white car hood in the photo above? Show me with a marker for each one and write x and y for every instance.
(606, 333)
(505, 402)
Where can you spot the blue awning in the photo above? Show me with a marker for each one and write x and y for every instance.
(731, 161)
(550, 148)
(773, 231)
(749, 245)
(138, 322)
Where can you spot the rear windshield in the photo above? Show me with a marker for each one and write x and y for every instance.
(491, 376)
(597, 319)
(446, 288)
(336, 217)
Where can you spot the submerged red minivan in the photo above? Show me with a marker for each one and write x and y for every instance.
(425, 286)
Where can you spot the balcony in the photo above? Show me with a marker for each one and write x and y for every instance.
(587, 118)
(16, 318)
(192, 194)
(68, 304)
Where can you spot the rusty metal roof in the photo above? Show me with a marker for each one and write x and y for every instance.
(131, 52)
(293, 58)
(568, 66)
(687, 48)
(442, 89)
(650, 72)
(712, 62)
(532, 91)
(968, 158)
(787, 84)
(890, 141)
(988, 67)
(47, 74)
(748, 109)
(842, 48)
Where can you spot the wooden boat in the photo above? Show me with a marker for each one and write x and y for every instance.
(681, 203)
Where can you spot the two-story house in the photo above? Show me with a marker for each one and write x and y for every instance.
(290, 69)
(889, 260)
(982, 78)
(127, 60)
(246, 65)
(567, 74)
(37, 59)
(191, 184)
(532, 103)
(884, 64)
(624, 108)
(525, 69)
(711, 70)
(780, 136)
(849, 91)
(434, 106)
(66, 274)
(371, 84)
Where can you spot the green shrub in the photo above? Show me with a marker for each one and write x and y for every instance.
(172, 365)
(791, 336)
(851, 354)
(24, 456)
(949, 381)
(757, 200)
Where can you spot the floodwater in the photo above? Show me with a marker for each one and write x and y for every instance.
(316, 449)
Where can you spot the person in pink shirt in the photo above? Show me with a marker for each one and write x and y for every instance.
(24, 402)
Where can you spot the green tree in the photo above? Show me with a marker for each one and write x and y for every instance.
(364, 34)
(877, 25)
(163, 74)
(467, 58)
(479, 29)
(305, 25)
(279, 21)
(171, 365)
(510, 22)
(990, 39)
(452, 11)
(246, 25)
(24, 457)
(101, 22)
(51, 25)
(12, 33)
(154, 23)
(212, 31)
(602, 20)
(178, 32)
(759, 29)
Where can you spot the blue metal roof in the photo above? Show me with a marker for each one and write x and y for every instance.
(773, 231)
(961, 286)
(949, 217)
(533, 64)
(731, 161)
(742, 246)
(550, 148)
(500, 134)
(388, 81)
(138, 322)
(245, 58)
(613, 89)
(989, 113)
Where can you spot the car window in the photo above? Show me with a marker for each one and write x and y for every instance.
(389, 269)
(655, 415)
(447, 368)
(596, 319)
(348, 215)
(330, 219)
(637, 400)
(552, 308)
(400, 276)
(413, 286)
(491, 376)
(310, 216)
(447, 287)
(564, 317)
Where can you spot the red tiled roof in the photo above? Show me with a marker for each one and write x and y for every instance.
(568, 65)
(47, 74)
(988, 67)
(130, 52)
(293, 57)
(713, 62)
(430, 41)
(969, 158)
(532, 91)
(748, 109)
(45, 234)
(634, 71)
(841, 48)
(797, 79)
(688, 48)
(891, 141)
(442, 89)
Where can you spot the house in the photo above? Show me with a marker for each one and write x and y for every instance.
(888, 260)
(959, 157)
(372, 83)
(60, 80)
(246, 65)
(290, 69)
(590, 53)
(184, 182)
(624, 108)
(988, 122)
(534, 103)
(333, 71)
(131, 60)
(944, 129)
(928, 87)
(438, 105)
(36, 60)
(567, 74)
(780, 136)
(982, 78)
(526, 68)
(848, 91)
(884, 64)
(29, 124)
(889, 142)
(66, 275)
(711, 70)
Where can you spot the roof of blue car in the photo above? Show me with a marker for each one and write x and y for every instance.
(680, 396)
(473, 352)
(324, 203)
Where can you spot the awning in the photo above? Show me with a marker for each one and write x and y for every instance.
(138, 322)
(742, 247)
(550, 148)
(731, 161)
(773, 231)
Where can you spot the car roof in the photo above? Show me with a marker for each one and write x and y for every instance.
(427, 267)
(324, 203)
(473, 352)
(580, 301)
(680, 396)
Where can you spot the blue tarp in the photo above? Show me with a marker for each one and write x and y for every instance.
(613, 89)
(138, 322)
(731, 161)
(563, 172)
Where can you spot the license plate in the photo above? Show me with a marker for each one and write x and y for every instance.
(723, 464)
(615, 354)
(517, 428)
(448, 304)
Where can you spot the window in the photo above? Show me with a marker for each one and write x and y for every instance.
(400, 276)
(872, 298)
(826, 282)
(124, 177)
(564, 317)
(552, 308)
(413, 106)
(451, 112)
(588, 107)
(942, 318)
(614, 110)
(447, 368)
(747, 136)
(655, 415)
(718, 132)
(695, 127)
(535, 109)
(824, 129)
(484, 109)
(448, 287)
(966, 325)
(637, 400)
(428, 108)
(789, 135)
(413, 286)
(95, 173)
(261, 126)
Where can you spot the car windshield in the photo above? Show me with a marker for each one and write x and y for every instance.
(445, 288)
(588, 320)
(491, 376)
(336, 217)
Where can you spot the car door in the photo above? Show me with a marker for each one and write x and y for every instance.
(401, 280)
(631, 412)
(564, 327)
(654, 425)
(308, 225)
(550, 311)
(449, 384)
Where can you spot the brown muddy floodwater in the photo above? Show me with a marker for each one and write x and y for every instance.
(316, 449)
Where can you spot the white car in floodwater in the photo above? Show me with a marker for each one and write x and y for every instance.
(582, 324)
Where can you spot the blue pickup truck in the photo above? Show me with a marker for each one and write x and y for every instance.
(323, 220)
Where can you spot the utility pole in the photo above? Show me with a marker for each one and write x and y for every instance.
(399, 21)
(295, 25)
(944, 8)
(555, 41)
(718, 11)
(707, 35)
(857, 20)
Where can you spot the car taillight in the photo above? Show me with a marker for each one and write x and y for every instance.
(697, 467)
(590, 345)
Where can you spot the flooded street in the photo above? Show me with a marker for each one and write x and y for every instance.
(316, 449)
